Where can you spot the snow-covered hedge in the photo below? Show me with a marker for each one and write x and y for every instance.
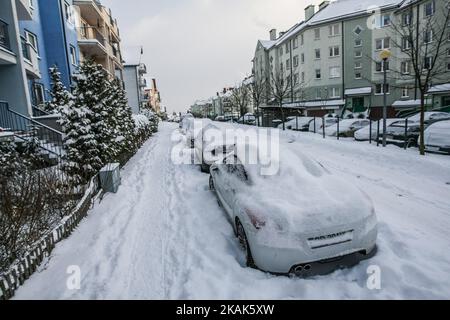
(141, 122)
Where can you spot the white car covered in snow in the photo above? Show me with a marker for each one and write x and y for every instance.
(302, 221)
(430, 117)
(317, 124)
(297, 123)
(437, 137)
(364, 133)
(346, 127)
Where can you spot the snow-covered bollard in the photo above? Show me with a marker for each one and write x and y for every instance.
(110, 177)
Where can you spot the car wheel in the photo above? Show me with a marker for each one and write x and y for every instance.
(204, 168)
(242, 237)
(211, 184)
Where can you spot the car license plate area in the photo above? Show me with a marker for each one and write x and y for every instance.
(330, 239)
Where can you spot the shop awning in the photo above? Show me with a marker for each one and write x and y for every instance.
(358, 91)
(440, 88)
(406, 103)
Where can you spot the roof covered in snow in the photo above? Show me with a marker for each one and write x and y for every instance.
(440, 88)
(358, 91)
(406, 103)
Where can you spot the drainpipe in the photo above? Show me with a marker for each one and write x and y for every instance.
(63, 24)
(292, 71)
(343, 67)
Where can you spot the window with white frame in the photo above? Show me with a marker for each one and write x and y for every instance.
(317, 33)
(406, 43)
(335, 72)
(38, 94)
(383, 43)
(317, 53)
(358, 53)
(288, 64)
(429, 8)
(381, 66)
(334, 92)
(405, 67)
(295, 61)
(427, 62)
(358, 65)
(358, 42)
(334, 30)
(407, 18)
(379, 88)
(428, 36)
(296, 79)
(318, 74)
(295, 42)
(385, 20)
(318, 94)
(358, 75)
(32, 40)
(405, 92)
(302, 58)
(288, 48)
(68, 13)
(73, 55)
(334, 51)
(302, 39)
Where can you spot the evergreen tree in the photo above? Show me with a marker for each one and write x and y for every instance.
(59, 95)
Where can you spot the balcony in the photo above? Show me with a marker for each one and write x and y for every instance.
(6, 56)
(91, 41)
(24, 10)
(90, 11)
(31, 60)
(142, 68)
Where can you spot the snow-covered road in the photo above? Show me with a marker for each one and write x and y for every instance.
(164, 236)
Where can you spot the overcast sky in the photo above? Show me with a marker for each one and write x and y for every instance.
(196, 47)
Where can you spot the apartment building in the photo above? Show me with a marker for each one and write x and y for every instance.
(18, 60)
(331, 60)
(99, 36)
(135, 83)
(155, 97)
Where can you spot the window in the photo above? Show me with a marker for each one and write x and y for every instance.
(380, 66)
(295, 61)
(358, 43)
(334, 93)
(302, 39)
(358, 75)
(405, 68)
(429, 8)
(317, 53)
(38, 94)
(448, 66)
(296, 79)
(334, 30)
(31, 4)
(334, 51)
(317, 34)
(384, 43)
(302, 58)
(318, 74)
(428, 36)
(281, 66)
(295, 42)
(407, 18)
(335, 72)
(280, 51)
(427, 62)
(318, 94)
(358, 65)
(288, 48)
(73, 55)
(379, 89)
(68, 13)
(32, 40)
(406, 43)
(288, 64)
(358, 54)
(405, 92)
(358, 30)
(448, 52)
(303, 77)
(384, 20)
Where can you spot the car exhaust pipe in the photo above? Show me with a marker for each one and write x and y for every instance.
(307, 267)
(298, 270)
(301, 269)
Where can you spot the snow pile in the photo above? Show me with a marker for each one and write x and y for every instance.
(438, 134)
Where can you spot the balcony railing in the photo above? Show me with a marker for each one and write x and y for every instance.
(4, 36)
(91, 33)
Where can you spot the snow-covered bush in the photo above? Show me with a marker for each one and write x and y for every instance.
(152, 117)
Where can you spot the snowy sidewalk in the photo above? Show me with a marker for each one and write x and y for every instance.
(164, 236)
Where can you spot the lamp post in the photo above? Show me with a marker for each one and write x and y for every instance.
(384, 55)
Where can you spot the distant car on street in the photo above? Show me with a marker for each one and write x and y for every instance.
(301, 221)
(297, 123)
(346, 128)
(437, 137)
(248, 119)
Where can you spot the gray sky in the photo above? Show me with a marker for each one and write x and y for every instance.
(196, 47)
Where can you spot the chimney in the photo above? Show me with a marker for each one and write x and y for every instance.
(154, 84)
(323, 5)
(282, 33)
(309, 12)
(273, 34)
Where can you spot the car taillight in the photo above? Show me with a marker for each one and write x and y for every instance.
(256, 221)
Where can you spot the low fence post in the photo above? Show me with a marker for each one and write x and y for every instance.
(315, 124)
(406, 134)
(296, 122)
(370, 131)
(337, 127)
(323, 127)
(378, 133)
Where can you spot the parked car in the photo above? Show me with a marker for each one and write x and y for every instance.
(395, 133)
(430, 117)
(346, 128)
(220, 119)
(185, 117)
(364, 133)
(301, 122)
(303, 220)
(319, 124)
(248, 118)
(437, 137)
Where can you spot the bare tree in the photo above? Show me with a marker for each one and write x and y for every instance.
(258, 89)
(280, 89)
(240, 98)
(421, 46)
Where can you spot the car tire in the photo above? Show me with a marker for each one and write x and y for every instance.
(243, 241)
(204, 168)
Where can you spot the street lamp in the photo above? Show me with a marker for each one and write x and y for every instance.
(384, 55)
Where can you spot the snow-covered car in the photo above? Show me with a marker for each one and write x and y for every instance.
(364, 133)
(299, 123)
(437, 137)
(317, 125)
(346, 127)
(303, 220)
(430, 117)
(401, 132)
(185, 117)
(247, 118)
